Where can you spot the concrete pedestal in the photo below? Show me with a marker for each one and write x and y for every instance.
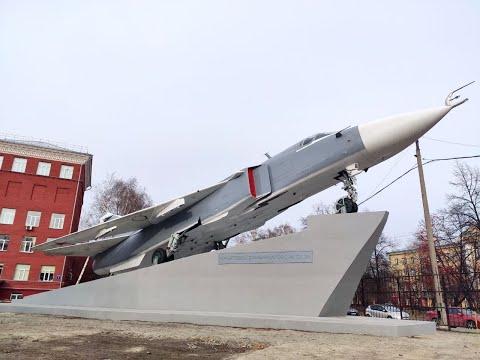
(285, 283)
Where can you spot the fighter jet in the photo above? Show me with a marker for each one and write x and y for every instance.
(206, 219)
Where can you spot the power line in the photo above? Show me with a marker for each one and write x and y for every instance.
(403, 235)
(451, 142)
(400, 158)
(452, 158)
(386, 186)
(413, 168)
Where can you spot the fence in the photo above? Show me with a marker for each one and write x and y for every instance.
(413, 297)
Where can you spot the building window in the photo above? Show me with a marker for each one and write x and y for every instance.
(33, 218)
(16, 296)
(56, 221)
(396, 261)
(46, 273)
(1, 161)
(404, 261)
(43, 168)
(7, 216)
(1, 269)
(21, 272)
(412, 260)
(66, 172)
(19, 165)
(27, 243)
(4, 239)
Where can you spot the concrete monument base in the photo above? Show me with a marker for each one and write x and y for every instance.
(302, 281)
(338, 324)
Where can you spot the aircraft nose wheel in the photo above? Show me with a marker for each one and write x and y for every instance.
(159, 256)
(346, 205)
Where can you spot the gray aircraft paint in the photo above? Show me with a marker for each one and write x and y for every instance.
(273, 176)
(233, 205)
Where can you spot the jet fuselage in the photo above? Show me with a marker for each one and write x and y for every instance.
(254, 195)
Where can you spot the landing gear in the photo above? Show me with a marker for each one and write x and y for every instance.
(178, 239)
(219, 245)
(347, 204)
(159, 256)
(175, 241)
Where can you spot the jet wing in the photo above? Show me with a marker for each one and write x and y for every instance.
(129, 223)
(90, 248)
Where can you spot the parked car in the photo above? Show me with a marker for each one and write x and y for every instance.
(458, 317)
(386, 311)
(352, 312)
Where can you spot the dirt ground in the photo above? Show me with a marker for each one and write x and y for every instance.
(24, 336)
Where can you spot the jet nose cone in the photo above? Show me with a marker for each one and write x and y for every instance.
(386, 137)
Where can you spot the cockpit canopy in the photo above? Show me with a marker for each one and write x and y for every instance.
(313, 138)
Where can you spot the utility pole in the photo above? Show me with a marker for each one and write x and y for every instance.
(431, 244)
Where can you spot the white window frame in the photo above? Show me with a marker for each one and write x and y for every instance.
(7, 216)
(1, 270)
(16, 296)
(33, 218)
(57, 221)
(21, 274)
(28, 242)
(47, 273)
(44, 168)
(19, 165)
(4, 241)
(1, 162)
(66, 172)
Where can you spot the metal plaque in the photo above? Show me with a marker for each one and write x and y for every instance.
(271, 257)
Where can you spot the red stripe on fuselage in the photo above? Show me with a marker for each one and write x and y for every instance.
(251, 182)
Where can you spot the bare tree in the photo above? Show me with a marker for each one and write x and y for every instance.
(376, 280)
(318, 209)
(379, 262)
(464, 203)
(118, 196)
(459, 236)
(260, 234)
(456, 231)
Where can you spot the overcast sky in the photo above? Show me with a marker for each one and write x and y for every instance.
(181, 94)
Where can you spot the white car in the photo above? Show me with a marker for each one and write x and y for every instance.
(386, 311)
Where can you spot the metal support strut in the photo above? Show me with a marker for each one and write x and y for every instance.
(173, 243)
(348, 185)
(347, 204)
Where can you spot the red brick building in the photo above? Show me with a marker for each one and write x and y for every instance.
(41, 197)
